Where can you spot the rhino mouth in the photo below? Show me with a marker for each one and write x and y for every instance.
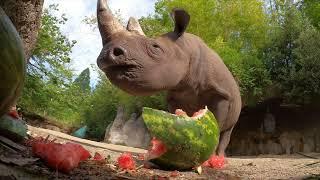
(121, 67)
(122, 71)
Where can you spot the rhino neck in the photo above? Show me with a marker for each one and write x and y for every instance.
(198, 72)
(187, 93)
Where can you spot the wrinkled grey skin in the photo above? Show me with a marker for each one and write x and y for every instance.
(177, 62)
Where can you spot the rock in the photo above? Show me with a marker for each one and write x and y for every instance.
(290, 141)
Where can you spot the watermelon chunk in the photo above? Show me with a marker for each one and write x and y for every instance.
(189, 141)
(125, 161)
(156, 150)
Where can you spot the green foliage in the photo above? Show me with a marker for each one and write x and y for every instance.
(49, 90)
(292, 54)
(279, 53)
(83, 81)
(61, 104)
(101, 109)
(303, 84)
(311, 8)
(103, 103)
(243, 22)
(51, 55)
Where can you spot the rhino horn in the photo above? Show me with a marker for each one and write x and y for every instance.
(107, 23)
(134, 26)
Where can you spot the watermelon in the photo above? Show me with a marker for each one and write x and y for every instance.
(12, 127)
(12, 64)
(189, 141)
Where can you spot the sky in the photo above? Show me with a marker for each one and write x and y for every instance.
(88, 46)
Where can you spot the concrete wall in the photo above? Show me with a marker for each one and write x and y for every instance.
(296, 129)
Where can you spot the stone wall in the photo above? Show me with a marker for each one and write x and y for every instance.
(276, 129)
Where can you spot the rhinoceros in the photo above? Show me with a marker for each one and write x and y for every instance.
(180, 63)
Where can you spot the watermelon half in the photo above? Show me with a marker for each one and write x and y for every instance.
(189, 141)
(12, 64)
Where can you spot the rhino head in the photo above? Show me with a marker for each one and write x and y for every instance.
(135, 63)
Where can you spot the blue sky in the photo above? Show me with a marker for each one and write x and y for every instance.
(88, 40)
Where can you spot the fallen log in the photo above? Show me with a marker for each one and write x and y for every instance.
(117, 148)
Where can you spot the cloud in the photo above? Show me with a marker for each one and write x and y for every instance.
(89, 44)
(135, 8)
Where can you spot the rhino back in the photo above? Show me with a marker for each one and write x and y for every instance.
(207, 70)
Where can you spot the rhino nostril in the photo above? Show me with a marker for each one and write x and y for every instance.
(117, 51)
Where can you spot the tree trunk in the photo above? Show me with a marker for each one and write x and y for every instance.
(26, 16)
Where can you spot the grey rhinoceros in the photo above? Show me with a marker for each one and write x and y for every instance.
(180, 63)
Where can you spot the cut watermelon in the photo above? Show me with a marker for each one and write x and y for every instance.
(189, 141)
(12, 64)
(126, 161)
(156, 150)
(180, 112)
(215, 162)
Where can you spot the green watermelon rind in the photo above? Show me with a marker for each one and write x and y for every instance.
(12, 63)
(16, 127)
(189, 141)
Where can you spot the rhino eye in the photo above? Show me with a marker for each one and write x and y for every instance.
(155, 50)
(155, 46)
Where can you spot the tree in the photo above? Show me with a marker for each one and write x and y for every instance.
(286, 28)
(303, 84)
(26, 16)
(292, 54)
(311, 9)
(83, 81)
(51, 55)
(49, 89)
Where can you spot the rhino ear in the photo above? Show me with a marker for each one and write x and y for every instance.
(134, 26)
(181, 20)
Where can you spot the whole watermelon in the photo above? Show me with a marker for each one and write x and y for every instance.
(189, 140)
(12, 63)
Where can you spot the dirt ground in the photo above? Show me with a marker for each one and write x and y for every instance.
(253, 167)
(273, 166)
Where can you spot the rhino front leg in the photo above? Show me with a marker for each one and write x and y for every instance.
(223, 142)
(220, 108)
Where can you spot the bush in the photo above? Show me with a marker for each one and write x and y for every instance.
(103, 103)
